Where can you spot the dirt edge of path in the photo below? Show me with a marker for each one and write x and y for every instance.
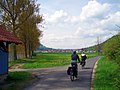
(93, 74)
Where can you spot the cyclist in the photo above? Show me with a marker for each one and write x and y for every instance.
(74, 58)
(83, 58)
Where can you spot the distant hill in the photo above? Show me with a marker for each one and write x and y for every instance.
(101, 44)
(91, 48)
(42, 47)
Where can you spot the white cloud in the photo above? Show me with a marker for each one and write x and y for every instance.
(94, 9)
(110, 21)
(95, 20)
(72, 19)
(69, 42)
(56, 16)
(90, 33)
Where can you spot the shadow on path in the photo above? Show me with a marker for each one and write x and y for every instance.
(57, 78)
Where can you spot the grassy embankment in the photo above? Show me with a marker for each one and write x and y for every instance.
(44, 60)
(106, 75)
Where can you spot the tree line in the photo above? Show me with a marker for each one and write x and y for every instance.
(21, 18)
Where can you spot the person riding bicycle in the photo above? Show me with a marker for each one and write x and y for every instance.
(74, 58)
(83, 58)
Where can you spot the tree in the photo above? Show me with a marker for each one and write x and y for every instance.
(12, 10)
(30, 34)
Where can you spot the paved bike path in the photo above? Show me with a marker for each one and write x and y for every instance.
(57, 78)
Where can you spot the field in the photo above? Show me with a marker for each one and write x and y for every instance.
(44, 60)
(107, 75)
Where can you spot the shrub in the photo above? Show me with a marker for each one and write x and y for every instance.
(111, 48)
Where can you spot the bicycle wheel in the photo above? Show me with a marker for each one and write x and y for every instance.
(83, 64)
(71, 74)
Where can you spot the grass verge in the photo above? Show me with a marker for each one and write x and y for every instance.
(107, 75)
(17, 80)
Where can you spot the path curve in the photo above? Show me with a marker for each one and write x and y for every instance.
(56, 78)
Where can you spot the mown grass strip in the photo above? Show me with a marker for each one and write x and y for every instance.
(106, 75)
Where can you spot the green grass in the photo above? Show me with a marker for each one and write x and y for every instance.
(16, 80)
(91, 55)
(106, 75)
(44, 60)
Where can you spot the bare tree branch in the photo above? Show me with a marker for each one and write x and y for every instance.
(5, 9)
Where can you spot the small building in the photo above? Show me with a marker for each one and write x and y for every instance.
(5, 39)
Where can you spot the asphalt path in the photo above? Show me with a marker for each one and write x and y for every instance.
(57, 79)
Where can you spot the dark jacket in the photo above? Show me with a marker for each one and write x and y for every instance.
(75, 57)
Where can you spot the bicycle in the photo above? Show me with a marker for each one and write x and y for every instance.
(83, 64)
(73, 71)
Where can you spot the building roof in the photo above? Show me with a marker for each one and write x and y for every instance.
(6, 36)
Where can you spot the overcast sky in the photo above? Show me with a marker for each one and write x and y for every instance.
(74, 24)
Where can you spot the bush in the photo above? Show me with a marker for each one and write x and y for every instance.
(111, 48)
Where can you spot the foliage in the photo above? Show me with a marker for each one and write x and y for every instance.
(111, 48)
(29, 29)
(19, 16)
(107, 75)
